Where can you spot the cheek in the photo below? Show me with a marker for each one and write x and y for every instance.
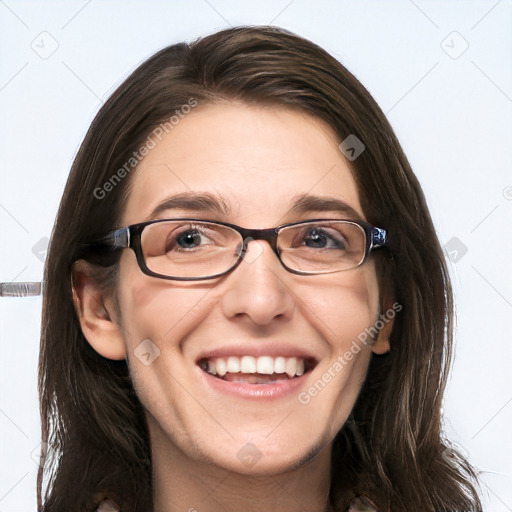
(343, 306)
(157, 315)
(158, 310)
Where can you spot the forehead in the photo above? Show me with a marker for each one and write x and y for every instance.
(255, 161)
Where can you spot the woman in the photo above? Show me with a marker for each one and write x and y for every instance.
(246, 306)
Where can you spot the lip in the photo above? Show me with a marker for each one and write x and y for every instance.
(279, 389)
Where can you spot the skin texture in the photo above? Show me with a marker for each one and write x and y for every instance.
(257, 158)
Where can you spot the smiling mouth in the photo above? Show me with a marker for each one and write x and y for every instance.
(257, 370)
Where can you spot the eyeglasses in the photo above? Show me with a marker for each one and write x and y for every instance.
(188, 249)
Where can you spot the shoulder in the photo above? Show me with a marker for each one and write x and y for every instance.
(362, 504)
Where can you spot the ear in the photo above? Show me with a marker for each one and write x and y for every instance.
(96, 313)
(387, 317)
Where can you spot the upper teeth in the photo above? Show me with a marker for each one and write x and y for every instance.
(249, 364)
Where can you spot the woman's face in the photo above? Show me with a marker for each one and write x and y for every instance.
(257, 161)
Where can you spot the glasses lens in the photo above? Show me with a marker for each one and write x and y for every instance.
(322, 247)
(190, 248)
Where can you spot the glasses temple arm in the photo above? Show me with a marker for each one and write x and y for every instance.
(119, 239)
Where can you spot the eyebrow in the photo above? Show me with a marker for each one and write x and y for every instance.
(193, 201)
(208, 202)
(307, 203)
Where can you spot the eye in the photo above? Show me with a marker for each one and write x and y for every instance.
(186, 240)
(189, 238)
(323, 238)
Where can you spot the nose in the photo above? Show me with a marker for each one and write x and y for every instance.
(257, 289)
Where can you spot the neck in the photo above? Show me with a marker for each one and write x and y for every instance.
(185, 484)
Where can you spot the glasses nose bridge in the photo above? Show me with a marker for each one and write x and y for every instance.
(269, 235)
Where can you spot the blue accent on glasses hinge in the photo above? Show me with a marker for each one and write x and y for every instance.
(121, 237)
(379, 236)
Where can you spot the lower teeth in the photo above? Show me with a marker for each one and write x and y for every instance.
(254, 378)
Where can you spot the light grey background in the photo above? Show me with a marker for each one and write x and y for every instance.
(441, 70)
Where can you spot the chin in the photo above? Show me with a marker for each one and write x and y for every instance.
(276, 459)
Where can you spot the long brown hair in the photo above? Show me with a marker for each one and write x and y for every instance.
(392, 448)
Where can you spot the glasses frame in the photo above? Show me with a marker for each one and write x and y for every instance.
(129, 237)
